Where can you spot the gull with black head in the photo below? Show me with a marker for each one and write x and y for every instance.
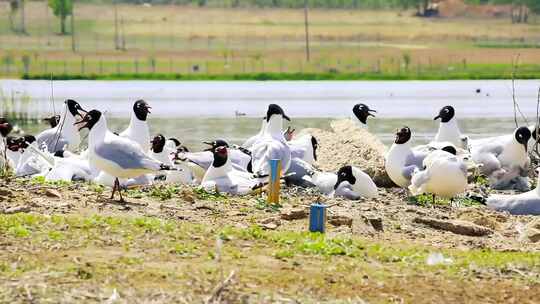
(362, 112)
(449, 129)
(64, 134)
(115, 155)
(138, 130)
(401, 160)
(505, 160)
(272, 145)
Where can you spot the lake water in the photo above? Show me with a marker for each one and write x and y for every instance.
(195, 111)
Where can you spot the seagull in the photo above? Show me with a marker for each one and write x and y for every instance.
(443, 174)
(362, 112)
(401, 160)
(449, 129)
(272, 145)
(53, 120)
(138, 130)
(5, 129)
(527, 203)
(221, 175)
(240, 157)
(352, 183)
(504, 160)
(174, 145)
(12, 150)
(64, 133)
(253, 139)
(26, 165)
(62, 166)
(304, 148)
(115, 155)
(162, 153)
(349, 182)
(300, 174)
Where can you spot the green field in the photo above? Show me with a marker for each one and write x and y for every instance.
(161, 42)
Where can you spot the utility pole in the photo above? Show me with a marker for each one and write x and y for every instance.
(306, 25)
(23, 16)
(73, 43)
(116, 37)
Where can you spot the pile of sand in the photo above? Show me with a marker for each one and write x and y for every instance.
(348, 144)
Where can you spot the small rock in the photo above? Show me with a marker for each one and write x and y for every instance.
(270, 223)
(455, 226)
(16, 209)
(6, 192)
(52, 193)
(204, 206)
(376, 223)
(293, 213)
(340, 220)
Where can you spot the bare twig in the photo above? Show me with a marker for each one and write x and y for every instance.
(537, 126)
(516, 105)
(216, 292)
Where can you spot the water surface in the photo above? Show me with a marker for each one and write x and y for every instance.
(199, 110)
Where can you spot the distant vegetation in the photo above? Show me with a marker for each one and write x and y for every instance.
(190, 42)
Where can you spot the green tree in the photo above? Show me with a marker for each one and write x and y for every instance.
(62, 9)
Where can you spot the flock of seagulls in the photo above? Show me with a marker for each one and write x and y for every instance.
(441, 167)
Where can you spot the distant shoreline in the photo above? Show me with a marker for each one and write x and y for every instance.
(284, 76)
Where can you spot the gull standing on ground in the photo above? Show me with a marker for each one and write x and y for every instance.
(401, 160)
(443, 174)
(505, 160)
(115, 155)
(272, 145)
(527, 203)
(64, 133)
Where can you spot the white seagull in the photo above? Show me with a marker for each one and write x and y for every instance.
(361, 113)
(272, 145)
(504, 160)
(304, 148)
(449, 128)
(527, 203)
(115, 155)
(138, 130)
(253, 139)
(222, 176)
(443, 174)
(401, 160)
(163, 153)
(352, 183)
(64, 133)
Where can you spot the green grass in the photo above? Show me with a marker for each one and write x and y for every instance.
(36, 228)
(470, 75)
(142, 254)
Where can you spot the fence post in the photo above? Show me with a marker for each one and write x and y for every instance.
(101, 66)
(82, 65)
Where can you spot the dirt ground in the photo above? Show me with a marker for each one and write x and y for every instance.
(68, 242)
